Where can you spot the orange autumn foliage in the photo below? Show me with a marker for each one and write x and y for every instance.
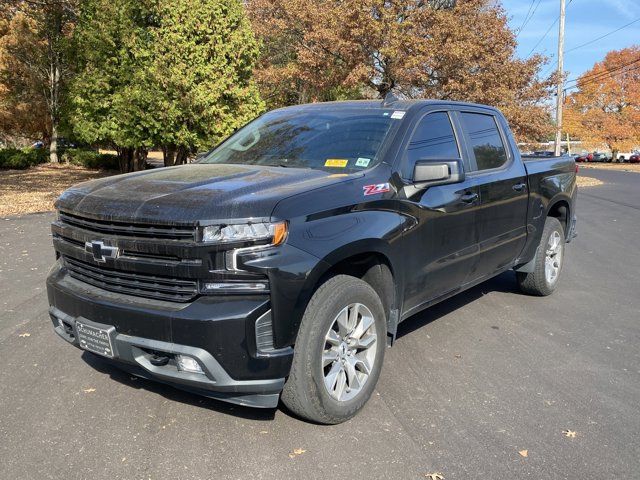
(606, 107)
(317, 50)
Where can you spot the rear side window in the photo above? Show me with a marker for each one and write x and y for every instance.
(433, 138)
(485, 140)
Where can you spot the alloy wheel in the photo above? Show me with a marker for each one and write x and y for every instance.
(349, 352)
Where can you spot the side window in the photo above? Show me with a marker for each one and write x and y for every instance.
(485, 139)
(433, 138)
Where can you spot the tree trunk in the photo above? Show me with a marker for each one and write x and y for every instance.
(53, 144)
(182, 155)
(54, 35)
(139, 159)
(169, 155)
(125, 159)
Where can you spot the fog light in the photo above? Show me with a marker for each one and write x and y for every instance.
(234, 286)
(188, 364)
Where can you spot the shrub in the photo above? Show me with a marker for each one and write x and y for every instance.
(21, 159)
(90, 159)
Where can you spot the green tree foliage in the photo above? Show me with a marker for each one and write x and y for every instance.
(203, 54)
(111, 95)
(174, 73)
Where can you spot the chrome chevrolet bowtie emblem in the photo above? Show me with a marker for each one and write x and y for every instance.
(100, 251)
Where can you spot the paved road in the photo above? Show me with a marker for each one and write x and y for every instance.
(468, 385)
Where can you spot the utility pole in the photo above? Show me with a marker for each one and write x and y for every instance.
(560, 94)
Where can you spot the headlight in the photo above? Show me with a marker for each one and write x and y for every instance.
(275, 232)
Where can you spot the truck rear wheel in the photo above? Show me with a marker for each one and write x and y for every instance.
(338, 352)
(548, 264)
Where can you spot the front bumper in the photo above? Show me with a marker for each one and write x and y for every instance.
(217, 331)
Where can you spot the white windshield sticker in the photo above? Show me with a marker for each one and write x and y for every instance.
(398, 114)
(363, 162)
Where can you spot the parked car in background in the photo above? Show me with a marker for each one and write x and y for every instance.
(585, 157)
(543, 153)
(635, 158)
(601, 157)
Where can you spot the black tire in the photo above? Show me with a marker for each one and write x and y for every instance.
(305, 393)
(536, 282)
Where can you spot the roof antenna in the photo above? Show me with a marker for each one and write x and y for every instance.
(389, 98)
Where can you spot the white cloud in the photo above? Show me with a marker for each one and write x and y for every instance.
(630, 10)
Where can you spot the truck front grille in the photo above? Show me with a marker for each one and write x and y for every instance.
(141, 285)
(135, 230)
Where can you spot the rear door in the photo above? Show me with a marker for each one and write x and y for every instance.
(501, 179)
(439, 250)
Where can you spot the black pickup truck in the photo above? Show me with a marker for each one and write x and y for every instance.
(281, 263)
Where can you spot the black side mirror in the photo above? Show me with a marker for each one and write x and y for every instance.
(427, 173)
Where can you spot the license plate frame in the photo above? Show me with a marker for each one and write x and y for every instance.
(95, 337)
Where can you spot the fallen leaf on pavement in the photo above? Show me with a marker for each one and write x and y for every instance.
(434, 476)
(296, 452)
(524, 453)
(23, 335)
(89, 390)
(569, 433)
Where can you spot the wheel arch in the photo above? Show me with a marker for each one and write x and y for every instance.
(560, 208)
(372, 261)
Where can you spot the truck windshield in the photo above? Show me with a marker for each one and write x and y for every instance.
(340, 140)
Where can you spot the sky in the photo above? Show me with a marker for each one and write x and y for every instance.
(585, 20)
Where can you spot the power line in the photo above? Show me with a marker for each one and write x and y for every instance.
(603, 36)
(608, 74)
(594, 41)
(546, 33)
(605, 73)
(595, 80)
(527, 18)
(543, 37)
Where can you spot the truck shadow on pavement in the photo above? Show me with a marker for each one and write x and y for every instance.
(175, 394)
(505, 283)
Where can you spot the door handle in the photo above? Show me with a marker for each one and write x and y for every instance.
(469, 197)
(518, 187)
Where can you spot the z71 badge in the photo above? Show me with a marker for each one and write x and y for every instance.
(373, 189)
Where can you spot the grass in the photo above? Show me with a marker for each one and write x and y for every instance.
(35, 190)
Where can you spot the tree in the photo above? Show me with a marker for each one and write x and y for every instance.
(202, 59)
(23, 108)
(34, 66)
(173, 73)
(606, 107)
(325, 49)
(111, 96)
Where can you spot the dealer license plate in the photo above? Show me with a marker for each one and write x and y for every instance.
(95, 339)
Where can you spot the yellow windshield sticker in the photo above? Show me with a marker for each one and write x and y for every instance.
(336, 162)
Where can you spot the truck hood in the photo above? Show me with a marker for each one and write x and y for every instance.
(192, 193)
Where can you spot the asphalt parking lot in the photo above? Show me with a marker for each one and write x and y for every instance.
(481, 386)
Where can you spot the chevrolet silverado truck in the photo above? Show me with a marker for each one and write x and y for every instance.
(281, 263)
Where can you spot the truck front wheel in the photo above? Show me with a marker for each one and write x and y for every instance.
(548, 264)
(338, 352)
